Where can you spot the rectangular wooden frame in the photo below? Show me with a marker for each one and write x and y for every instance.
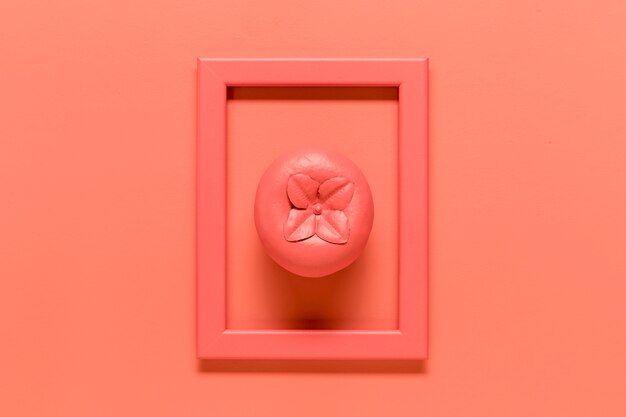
(409, 341)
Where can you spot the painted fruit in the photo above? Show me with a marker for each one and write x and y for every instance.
(313, 212)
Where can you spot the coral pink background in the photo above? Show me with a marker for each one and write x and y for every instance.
(361, 123)
(528, 203)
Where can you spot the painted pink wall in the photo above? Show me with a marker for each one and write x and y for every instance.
(361, 123)
(528, 152)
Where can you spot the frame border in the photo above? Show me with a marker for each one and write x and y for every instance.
(409, 341)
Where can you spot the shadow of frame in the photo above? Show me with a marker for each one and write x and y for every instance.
(313, 366)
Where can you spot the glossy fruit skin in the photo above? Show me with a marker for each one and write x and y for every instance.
(312, 257)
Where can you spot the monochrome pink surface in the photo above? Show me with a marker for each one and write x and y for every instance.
(409, 339)
(361, 123)
(527, 203)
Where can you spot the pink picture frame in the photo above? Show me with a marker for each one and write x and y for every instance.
(409, 341)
